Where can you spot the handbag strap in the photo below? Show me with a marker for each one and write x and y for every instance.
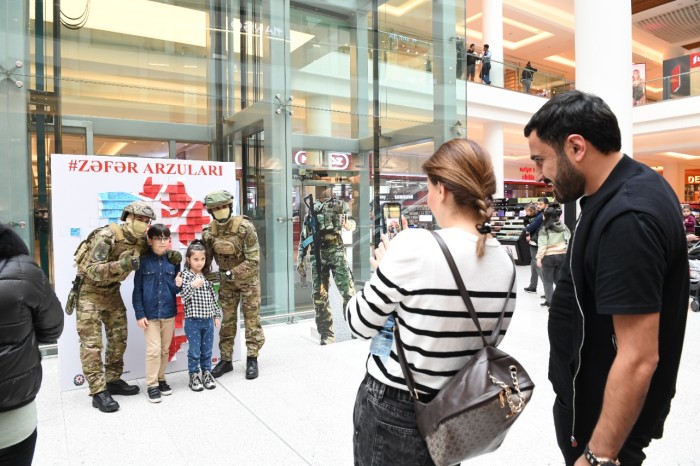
(408, 375)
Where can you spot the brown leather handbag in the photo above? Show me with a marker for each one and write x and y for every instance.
(472, 414)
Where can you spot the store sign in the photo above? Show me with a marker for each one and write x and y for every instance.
(336, 160)
(300, 157)
(694, 179)
(695, 60)
(527, 173)
(396, 197)
(339, 160)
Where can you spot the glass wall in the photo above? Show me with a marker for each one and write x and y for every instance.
(306, 97)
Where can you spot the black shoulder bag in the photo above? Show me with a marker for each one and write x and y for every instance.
(472, 414)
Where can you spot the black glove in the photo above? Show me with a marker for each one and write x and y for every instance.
(129, 262)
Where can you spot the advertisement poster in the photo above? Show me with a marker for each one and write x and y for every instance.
(676, 77)
(89, 192)
(639, 93)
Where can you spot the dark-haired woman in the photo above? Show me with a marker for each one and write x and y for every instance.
(30, 313)
(413, 282)
(552, 242)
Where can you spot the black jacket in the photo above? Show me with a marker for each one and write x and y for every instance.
(30, 313)
(582, 350)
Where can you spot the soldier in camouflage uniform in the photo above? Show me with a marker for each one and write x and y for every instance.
(233, 243)
(332, 215)
(104, 260)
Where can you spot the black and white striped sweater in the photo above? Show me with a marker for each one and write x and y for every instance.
(415, 281)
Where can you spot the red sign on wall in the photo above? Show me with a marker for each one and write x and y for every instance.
(695, 60)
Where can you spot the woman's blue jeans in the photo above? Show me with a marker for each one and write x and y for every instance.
(386, 432)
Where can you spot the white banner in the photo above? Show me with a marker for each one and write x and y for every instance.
(89, 192)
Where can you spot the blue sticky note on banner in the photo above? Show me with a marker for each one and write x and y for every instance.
(75, 232)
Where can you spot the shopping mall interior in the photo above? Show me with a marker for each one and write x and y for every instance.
(307, 95)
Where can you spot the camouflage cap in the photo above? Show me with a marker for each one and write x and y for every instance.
(138, 208)
(218, 198)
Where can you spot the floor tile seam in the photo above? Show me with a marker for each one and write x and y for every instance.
(266, 425)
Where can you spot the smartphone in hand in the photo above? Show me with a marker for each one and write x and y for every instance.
(391, 219)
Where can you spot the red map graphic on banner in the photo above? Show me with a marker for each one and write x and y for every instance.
(184, 216)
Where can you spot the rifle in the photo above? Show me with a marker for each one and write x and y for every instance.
(315, 238)
(72, 301)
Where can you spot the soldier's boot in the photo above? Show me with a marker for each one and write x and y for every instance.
(251, 368)
(104, 402)
(119, 387)
(221, 368)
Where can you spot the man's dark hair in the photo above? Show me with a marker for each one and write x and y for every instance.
(575, 112)
(543, 199)
(158, 230)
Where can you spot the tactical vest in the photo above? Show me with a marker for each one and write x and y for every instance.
(228, 243)
(328, 214)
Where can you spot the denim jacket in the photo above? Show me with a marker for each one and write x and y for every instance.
(154, 288)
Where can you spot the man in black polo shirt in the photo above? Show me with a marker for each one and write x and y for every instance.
(617, 320)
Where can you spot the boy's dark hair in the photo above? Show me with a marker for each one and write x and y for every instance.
(575, 112)
(158, 230)
(198, 245)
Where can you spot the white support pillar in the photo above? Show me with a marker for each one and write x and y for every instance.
(604, 61)
(318, 115)
(493, 143)
(493, 35)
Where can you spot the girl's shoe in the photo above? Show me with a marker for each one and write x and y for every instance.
(196, 382)
(208, 380)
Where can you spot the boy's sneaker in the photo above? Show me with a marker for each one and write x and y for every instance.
(530, 289)
(196, 382)
(164, 388)
(208, 380)
(153, 394)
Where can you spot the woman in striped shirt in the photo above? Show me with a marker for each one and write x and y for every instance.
(412, 281)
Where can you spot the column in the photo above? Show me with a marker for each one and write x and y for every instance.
(674, 173)
(359, 76)
(493, 143)
(604, 61)
(318, 115)
(493, 35)
(16, 199)
(445, 90)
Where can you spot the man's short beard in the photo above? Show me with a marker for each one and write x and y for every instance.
(569, 184)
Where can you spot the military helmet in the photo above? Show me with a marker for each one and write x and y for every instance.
(138, 208)
(217, 198)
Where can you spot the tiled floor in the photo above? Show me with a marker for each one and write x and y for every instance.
(299, 411)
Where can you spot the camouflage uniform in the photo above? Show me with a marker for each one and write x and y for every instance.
(100, 302)
(234, 246)
(332, 215)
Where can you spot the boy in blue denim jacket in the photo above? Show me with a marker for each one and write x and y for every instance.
(155, 308)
